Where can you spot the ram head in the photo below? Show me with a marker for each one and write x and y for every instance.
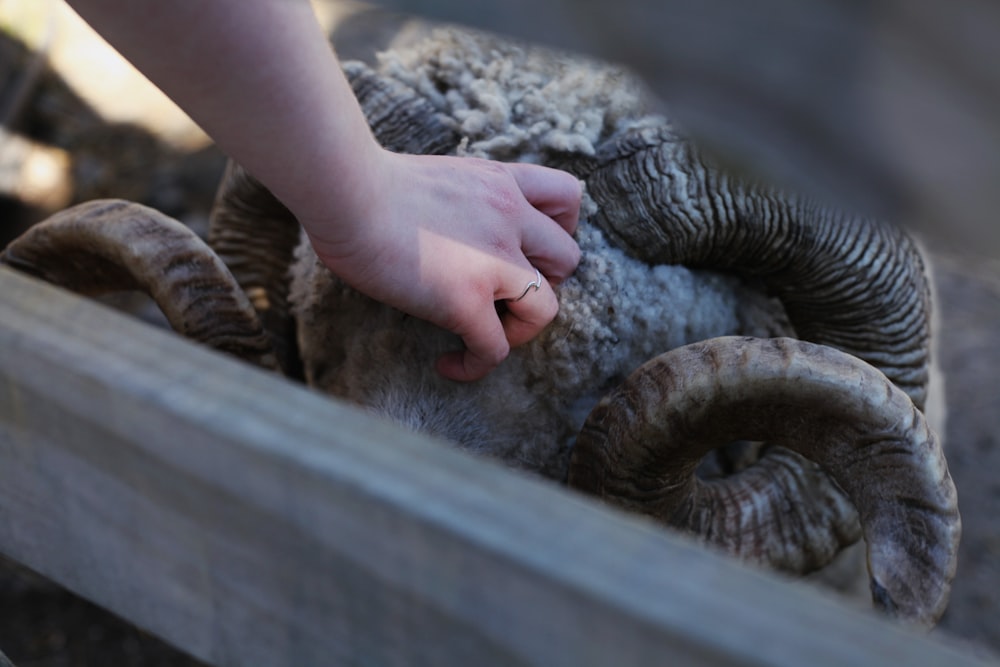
(734, 361)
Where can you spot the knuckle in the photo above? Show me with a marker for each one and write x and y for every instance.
(479, 362)
(496, 355)
(455, 315)
(500, 191)
(562, 269)
(502, 244)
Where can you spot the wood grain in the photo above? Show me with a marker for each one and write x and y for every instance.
(251, 521)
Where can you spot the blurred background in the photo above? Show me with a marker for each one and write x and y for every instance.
(78, 123)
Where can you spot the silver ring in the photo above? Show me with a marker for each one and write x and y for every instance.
(536, 283)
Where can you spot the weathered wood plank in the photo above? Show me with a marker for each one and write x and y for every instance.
(251, 521)
(890, 105)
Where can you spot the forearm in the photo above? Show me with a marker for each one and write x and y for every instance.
(261, 79)
(441, 238)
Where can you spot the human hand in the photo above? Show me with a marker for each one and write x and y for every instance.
(443, 238)
(440, 238)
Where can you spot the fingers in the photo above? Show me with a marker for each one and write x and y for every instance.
(526, 317)
(488, 339)
(546, 241)
(546, 237)
(485, 347)
(555, 193)
(549, 248)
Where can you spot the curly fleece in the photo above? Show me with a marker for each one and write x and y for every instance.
(515, 104)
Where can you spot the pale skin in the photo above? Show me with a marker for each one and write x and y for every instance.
(440, 238)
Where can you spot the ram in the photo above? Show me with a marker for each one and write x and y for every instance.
(734, 361)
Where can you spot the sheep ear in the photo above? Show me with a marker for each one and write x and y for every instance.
(112, 245)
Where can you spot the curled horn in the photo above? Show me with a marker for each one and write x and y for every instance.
(111, 245)
(847, 282)
(401, 118)
(641, 444)
(255, 236)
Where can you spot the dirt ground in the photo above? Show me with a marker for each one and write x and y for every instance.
(169, 164)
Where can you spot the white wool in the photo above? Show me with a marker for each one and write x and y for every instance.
(512, 102)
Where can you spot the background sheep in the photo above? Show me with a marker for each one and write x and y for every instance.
(476, 96)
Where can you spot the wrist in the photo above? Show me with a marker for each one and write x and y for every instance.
(343, 194)
(351, 210)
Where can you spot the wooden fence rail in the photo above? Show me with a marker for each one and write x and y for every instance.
(252, 522)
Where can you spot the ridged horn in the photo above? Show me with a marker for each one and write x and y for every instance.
(111, 245)
(845, 281)
(402, 119)
(640, 446)
(256, 236)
